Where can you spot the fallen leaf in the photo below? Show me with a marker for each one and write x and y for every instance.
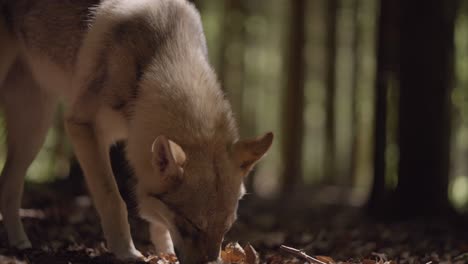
(150, 258)
(326, 259)
(369, 261)
(251, 255)
(169, 257)
(233, 253)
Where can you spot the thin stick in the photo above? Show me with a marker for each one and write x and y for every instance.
(301, 254)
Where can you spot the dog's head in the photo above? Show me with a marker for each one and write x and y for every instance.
(198, 192)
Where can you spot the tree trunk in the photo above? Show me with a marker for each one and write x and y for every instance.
(330, 93)
(232, 66)
(223, 42)
(426, 75)
(387, 64)
(293, 107)
(355, 127)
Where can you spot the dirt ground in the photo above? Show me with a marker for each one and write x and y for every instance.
(64, 228)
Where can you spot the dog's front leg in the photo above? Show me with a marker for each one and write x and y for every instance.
(161, 238)
(93, 155)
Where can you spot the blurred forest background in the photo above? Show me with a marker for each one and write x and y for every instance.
(368, 100)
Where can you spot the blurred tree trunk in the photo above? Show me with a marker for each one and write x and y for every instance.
(330, 93)
(293, 106)
(232, 66)
(223, 42)
(426, 75)
(356, 58)
(387, 67)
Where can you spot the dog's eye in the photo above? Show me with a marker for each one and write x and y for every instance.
(186, 223)
(187, 230)
(193, 226)
(179, 215)
(184, 230)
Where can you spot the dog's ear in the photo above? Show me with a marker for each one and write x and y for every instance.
(246, 153)
(168, 159)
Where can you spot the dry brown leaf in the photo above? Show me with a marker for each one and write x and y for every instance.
(326, 259)
(369, 261)
(233, 253)
(251, 255)
(169, 257)
(161, 259)
(150, 258)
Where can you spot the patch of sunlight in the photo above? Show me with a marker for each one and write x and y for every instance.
(458, 192)
(42, 169)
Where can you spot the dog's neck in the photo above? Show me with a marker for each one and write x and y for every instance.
(187, 101)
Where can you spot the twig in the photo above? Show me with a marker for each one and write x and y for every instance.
(301, 254)
(461, 256)
(382, 257)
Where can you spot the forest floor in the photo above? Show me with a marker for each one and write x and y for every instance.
(64, 228)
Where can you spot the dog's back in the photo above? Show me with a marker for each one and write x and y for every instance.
(51, 35)
(50, 27)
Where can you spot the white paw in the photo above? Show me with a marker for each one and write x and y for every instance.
(21, 244)
(166, 248)
(132, 254)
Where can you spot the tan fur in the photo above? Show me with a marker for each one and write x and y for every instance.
(135, 71)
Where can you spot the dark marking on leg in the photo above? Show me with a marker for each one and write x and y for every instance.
(139, 71)
(119, 105)
(217, 179)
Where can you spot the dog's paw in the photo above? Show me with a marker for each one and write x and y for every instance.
(21, 244)
(129, 255)
(124, 250)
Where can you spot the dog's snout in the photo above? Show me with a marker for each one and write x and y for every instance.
(213, 252)
(208, 260)
(210, 255)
